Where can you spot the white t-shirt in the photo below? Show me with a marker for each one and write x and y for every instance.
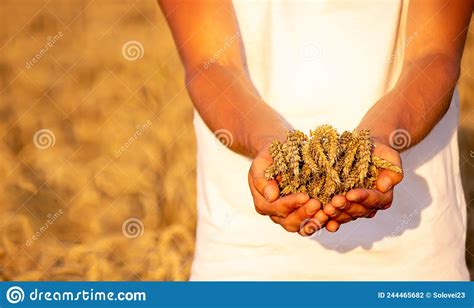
(327, 62)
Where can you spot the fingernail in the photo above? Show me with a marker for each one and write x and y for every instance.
(329, 210)
(320, 216)
(386, 184)
(268, 193)
(350, 196)
(343, 206)
(311, 209)
(338, 203)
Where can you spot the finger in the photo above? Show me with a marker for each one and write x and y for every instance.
(276, 219)
(356, 210)
(281, 221)
(332, 226)
(330, 210)
(281, 207)
(387, 179)
(258, 200)
(321, 217)
(336, 214)
(295, 220)
(342, 217)
(310, 227)
(339, 201)
(357, 194)
(369, 198)
(287, 204)
(388, 153)
(372, 214)
(386, 206)
(266, 188)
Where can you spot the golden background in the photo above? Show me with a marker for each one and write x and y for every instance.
(121, 144)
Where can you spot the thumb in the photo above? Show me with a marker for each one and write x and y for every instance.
(267, 188)
(387, 180)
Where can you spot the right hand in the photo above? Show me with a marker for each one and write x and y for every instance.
(291, 211)
(364, 203)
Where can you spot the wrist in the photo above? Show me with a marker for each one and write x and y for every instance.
(264, 132)
(262, 143)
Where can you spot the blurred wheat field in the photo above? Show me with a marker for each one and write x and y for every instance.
(93, 99)
(123, 144)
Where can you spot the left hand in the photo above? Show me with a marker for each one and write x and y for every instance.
(362, 202)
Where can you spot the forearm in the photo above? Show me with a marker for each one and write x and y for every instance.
(226, 99)
(418, 101)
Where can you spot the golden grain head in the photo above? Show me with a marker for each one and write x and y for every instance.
(325, 163)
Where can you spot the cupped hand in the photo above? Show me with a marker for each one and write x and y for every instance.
(362, 202)
(290, 211)
(314, 224)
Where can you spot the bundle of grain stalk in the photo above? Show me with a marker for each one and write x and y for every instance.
(325, 163)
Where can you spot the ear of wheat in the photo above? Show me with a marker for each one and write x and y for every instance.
(325, 163)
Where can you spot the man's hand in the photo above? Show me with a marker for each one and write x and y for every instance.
(430, 69)
(363, 202)
(289, 211)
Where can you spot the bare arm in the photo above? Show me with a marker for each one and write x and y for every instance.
(208, 39)
(436, 33)
(207, 36)
(436, 30)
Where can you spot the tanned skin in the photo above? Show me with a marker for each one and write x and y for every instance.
(225, 97)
